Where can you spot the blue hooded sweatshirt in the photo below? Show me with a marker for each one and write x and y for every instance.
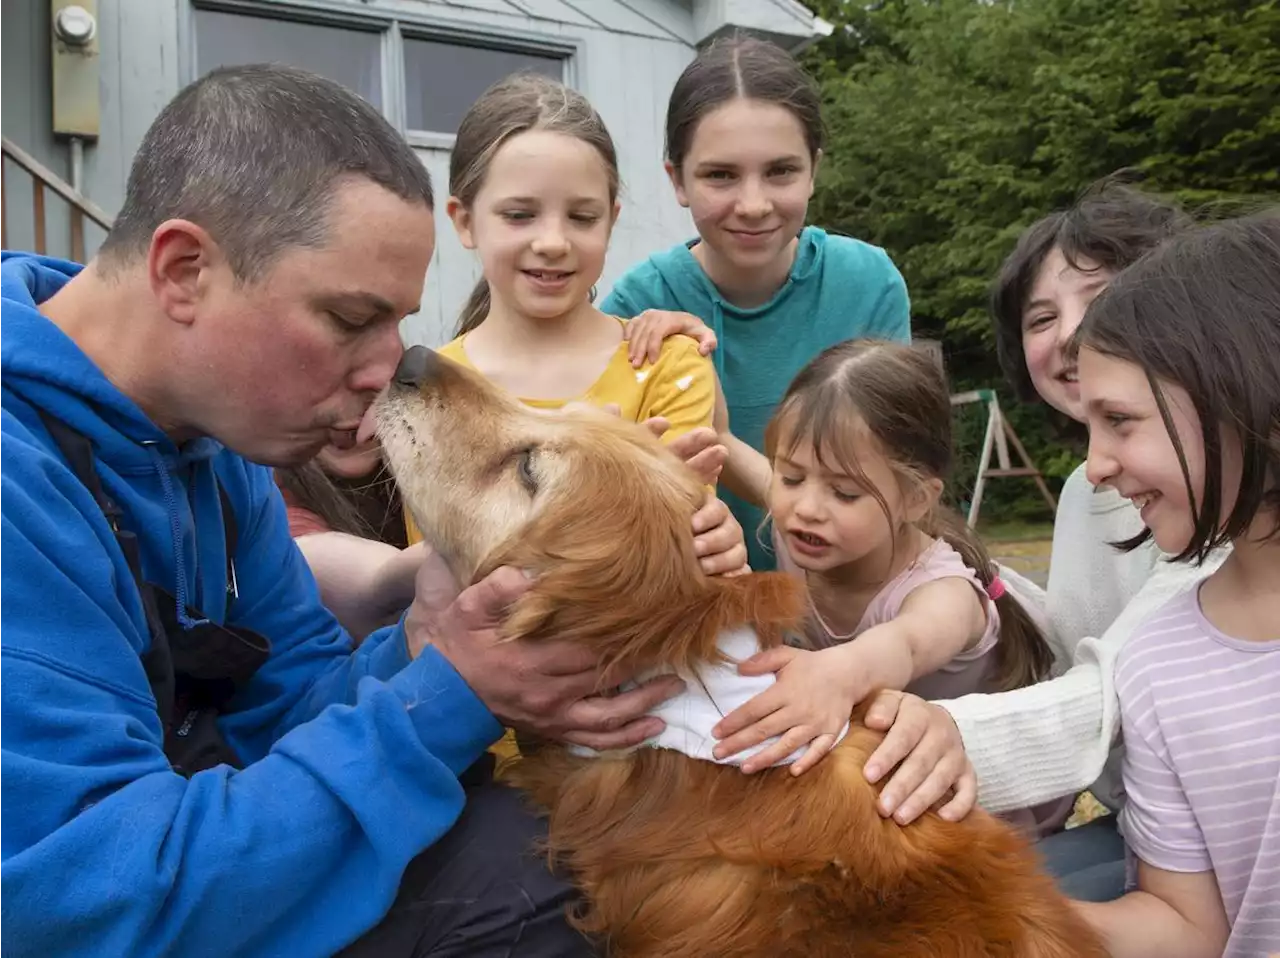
(839, 288)
(352, 758)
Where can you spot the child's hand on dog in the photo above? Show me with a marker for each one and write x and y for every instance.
(809, 705)
(719, 542)
(700, 449)
(923, 748)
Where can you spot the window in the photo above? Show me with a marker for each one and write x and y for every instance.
(348, 56)
(443, 79)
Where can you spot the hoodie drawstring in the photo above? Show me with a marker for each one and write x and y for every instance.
(175, 534)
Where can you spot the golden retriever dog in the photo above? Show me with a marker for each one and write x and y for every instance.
(678, 856)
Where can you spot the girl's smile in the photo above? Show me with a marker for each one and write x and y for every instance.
(1055, 307)
(1130, 448)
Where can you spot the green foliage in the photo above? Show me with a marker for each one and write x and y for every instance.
(954, 124)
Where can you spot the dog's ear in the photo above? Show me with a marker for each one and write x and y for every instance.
(679, 628)
(614, 566)
(621, 576)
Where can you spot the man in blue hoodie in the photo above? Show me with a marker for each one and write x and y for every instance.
(195, 761)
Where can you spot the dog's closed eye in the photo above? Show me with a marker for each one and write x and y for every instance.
(524, 469)
(522, 460)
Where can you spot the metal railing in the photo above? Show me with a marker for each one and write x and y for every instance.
(43, 178)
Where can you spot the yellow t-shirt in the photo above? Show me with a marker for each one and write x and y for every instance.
(680, 386)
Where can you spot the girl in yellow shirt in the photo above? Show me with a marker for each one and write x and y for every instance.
(533, 185)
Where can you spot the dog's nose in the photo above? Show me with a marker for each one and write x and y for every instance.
(416, 365)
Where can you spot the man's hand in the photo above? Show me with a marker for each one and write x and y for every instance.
(925, 746)
(549, 688)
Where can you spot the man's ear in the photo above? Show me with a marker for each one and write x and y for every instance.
(180, 262)
(461, 217)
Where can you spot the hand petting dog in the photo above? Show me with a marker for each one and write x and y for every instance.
(547, 688)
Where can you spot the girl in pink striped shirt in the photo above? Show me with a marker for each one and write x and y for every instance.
(1179, 370)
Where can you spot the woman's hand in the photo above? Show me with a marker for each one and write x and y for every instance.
(924, 745)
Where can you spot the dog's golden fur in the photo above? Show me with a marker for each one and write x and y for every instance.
(677, 856)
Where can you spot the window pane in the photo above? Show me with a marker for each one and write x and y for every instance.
(350, 57)
(442, 80)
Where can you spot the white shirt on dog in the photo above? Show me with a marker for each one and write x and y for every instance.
(709, 695)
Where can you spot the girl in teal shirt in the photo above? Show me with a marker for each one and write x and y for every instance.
(744, 138)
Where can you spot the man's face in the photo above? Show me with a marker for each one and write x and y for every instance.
(287, 364)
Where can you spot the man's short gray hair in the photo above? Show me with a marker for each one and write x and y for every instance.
(252, 155)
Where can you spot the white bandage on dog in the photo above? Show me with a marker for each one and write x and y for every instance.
(710, 695)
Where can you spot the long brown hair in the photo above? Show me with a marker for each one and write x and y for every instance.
(518, 104)
(899, 394)
(368, 507)
(741, 67)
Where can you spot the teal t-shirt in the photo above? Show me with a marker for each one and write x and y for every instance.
(839, 288)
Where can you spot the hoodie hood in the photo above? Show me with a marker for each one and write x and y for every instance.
(46, 368)
(685, 275)
(166, 492)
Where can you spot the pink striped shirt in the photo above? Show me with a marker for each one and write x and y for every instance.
(1201, 718)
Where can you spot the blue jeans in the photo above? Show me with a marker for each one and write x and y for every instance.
(1088, 862)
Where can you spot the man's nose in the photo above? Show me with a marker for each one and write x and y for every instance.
(417, 366)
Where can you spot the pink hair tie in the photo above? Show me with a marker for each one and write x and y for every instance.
(995, 591)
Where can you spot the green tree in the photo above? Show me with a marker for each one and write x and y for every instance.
(956, 123)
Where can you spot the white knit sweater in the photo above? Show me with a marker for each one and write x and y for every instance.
(1055, 738)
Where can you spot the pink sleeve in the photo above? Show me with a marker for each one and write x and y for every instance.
(302, 521)
(939, 561)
